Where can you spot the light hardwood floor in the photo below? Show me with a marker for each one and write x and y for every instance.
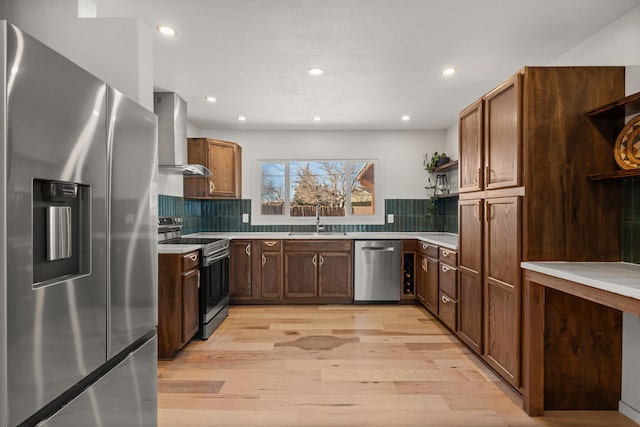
(379, 365)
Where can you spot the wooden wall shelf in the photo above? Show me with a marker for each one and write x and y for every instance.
(609, 119)
(619, 174)
(620, 108)
(446, 167)
(446, 196)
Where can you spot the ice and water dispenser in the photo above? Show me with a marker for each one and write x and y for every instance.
(61, 231)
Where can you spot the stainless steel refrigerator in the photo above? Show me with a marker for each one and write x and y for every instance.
(78, 256)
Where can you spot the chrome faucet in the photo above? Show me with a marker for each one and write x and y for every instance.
(319, 226)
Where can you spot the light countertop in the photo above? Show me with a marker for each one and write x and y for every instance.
(176, 249)
(446, 240)
(617, 277)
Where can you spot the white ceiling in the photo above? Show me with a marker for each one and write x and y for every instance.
(382, 58)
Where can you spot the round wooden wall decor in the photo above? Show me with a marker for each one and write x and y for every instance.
(627, 148)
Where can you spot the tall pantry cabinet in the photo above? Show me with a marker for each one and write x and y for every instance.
(526, 149)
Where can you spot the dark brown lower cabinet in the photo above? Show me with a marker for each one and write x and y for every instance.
(431, 290)
(335, 274)
(421, 278)
(318, 271)
(447, 310)
(178, 283)
(502, 290)
(470, 308)
(427, 276)
(301, 274)
(240, 270)
(470, 289)
(271, 275)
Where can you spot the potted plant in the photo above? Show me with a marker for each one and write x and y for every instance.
(430, 165)
(437, 159)
(432, 208)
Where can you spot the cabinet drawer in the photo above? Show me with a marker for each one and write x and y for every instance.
(447, 311)
(448, 278)
(428, 249)
(271, 245)
(317, 245)
(449, 256)
(190, 261)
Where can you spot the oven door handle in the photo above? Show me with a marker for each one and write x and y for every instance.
(211, 259)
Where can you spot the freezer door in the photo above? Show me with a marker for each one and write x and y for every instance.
(133, 272)
(3, 236)
(56, 132)
(125, 396)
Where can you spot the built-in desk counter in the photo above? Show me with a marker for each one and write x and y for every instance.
(572, 326)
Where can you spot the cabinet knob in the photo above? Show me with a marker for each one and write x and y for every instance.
(445, 268)
(248, 249)
(321, 260)
(193, 257)
(270, 244)
(425, 246)
(264, 260)
(314, 260)
(445, 253)
(445, 299)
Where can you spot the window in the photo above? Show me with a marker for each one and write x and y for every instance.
(296, 189)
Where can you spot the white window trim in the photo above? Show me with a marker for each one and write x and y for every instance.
(256, 199)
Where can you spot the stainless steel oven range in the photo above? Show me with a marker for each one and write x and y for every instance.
(214, 273)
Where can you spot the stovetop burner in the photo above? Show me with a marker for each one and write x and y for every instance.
(195, 240)
(169, 233)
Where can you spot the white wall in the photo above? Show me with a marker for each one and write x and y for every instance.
(116, 50)
(451, 144)
(451, 148)
(400, 175)
(617, 44)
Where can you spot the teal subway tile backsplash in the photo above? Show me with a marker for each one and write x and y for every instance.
(226, 216)
(170, 205)
(631, 220)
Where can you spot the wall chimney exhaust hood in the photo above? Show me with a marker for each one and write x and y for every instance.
(171, 110)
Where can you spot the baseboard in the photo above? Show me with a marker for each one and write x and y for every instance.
(629, 412)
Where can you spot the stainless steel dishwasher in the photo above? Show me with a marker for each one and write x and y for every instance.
(377, 271)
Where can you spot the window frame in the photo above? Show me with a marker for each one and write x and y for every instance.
(286, 219)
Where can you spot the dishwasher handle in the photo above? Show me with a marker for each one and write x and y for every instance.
(375, 249)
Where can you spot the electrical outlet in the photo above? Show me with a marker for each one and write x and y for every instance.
(390, 218)
(245, 218)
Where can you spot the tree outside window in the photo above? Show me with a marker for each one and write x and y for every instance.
(339, 188)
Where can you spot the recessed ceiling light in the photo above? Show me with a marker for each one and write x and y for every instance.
(167, 30)
(405, 118)
(241, 118)
(317, 118)
(315, 71)
(449, 71)
(210, 99)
